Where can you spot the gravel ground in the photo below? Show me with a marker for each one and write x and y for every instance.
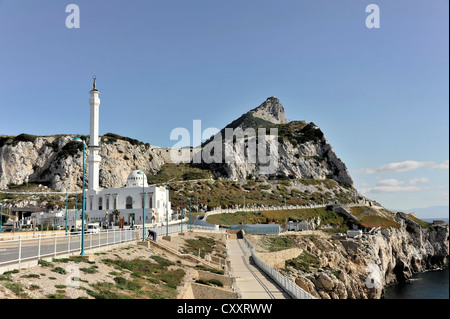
(42, 282)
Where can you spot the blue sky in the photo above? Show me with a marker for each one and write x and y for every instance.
(380, 95)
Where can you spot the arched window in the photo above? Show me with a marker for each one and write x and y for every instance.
(129, 202)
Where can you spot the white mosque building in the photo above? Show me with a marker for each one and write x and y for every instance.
(134, 200)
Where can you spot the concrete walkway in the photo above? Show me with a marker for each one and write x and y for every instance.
(251, 282)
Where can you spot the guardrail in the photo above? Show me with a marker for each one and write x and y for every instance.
(29, 247)
(288, 285)
(26, 248)
(258, 209)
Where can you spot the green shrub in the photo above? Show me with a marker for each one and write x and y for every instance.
(120, 280)
(60, 270)
(31, 276)
(23, 138)
(303, 262)
(44, 263)
(90, 270)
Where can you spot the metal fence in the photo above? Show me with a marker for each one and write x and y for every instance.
(258, 229)
(288, 285)
(28, 247)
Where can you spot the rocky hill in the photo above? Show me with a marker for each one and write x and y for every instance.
(56, 161)
(300, 151)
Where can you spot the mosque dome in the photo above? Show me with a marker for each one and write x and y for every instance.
(135, 179)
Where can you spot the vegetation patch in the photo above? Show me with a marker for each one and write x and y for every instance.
(277, 243)
(215, 271)
(304, 262)
(90, 270)
(111, 138)
(17, 289)
(205, 244)
(60, 270)
(44, 263)
(155, 278)
(179, 172)
(378, 221)
(327, 217)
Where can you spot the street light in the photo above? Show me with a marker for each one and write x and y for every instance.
(77, 139)
(143, 206)
(56, 217)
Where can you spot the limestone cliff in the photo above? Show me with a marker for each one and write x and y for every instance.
(300, 149)
(56, 161)
(336, 267)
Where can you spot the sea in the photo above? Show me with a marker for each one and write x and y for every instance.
(431, 284)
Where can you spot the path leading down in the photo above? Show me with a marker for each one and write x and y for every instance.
(251, 282)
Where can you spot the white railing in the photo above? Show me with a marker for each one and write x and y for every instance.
(26, 247)
(288, 285)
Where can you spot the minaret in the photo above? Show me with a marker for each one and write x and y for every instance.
(93, 158)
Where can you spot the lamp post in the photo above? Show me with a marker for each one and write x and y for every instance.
(56, 217)
(77, 139)
(143, 206)
(76, 207)
(181, 211)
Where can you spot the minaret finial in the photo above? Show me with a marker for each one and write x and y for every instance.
(95, 78)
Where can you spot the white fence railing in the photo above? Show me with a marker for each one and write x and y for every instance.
(288, 285)
(263, 208)
(29, 247)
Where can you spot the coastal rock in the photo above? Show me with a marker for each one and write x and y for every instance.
(306, 284)
(362, 268)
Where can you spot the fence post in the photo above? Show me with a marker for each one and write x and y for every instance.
(55, 245)
(99, 238)
(20, 249)
(68, 243)
(39, 246)
(107, 242)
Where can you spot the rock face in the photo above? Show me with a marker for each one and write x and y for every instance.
(57, 161)
(300, 150)
(361, 269)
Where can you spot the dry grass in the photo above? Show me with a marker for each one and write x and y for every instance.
(131, 272)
